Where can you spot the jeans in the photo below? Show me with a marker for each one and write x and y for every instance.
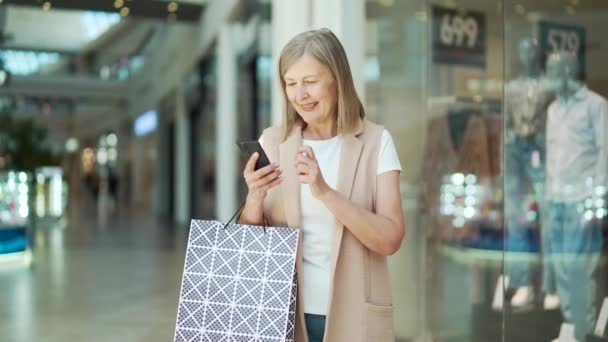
(315, 326)
(525, 168)
(576, 245)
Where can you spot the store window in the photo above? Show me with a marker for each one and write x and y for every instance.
(555, 113)
(498, 111)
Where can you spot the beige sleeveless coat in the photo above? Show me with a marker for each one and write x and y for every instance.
(360, 304)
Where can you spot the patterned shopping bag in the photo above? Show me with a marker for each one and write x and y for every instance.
(239, 284)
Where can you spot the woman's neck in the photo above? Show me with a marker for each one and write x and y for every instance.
(319, 132)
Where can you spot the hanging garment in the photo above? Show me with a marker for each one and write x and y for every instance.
(455, 159)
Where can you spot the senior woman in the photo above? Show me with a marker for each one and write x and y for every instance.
(335, 176)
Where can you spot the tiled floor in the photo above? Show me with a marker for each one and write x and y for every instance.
(118, 282)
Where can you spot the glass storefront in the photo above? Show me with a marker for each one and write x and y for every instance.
(479, 120)
(555, 114)
(499, 115)
(15, 217)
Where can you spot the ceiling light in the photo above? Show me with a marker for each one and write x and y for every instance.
(26, 62)
(172, 6)
(449, 3)
(112, 139)
(96, 23)
(124, 11)
(118, 3)
(46, 6)
(71, 145)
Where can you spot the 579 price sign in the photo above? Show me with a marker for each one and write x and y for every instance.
(459, 37)
(555, 38)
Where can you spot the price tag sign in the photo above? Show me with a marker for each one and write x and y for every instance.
(459, 37)
(556, 38)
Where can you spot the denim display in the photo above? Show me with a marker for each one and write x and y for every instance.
(525, 171)
(576, 245)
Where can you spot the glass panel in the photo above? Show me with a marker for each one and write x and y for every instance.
(555, 177)
(461, 198)
(394, 90)
(434, 79)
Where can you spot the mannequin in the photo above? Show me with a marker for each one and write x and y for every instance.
(577, 160)
(526, 102)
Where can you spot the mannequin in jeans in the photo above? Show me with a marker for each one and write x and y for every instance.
(526, 102)
(577, 163)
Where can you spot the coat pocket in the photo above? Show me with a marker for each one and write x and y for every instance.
(379, 323)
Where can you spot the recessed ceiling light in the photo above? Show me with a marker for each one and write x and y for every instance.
(118, 3)
(46, 6)
(172, 6)
(124, 11)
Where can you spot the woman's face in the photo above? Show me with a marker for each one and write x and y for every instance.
(312, 90)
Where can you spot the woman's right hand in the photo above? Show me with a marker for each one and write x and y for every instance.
(262, 180)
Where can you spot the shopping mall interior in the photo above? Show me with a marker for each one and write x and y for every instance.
(119, 121)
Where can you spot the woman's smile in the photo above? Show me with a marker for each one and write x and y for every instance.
(309, 107)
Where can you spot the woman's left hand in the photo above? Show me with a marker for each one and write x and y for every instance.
(309, 172)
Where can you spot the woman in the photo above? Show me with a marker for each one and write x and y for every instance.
(335, 176)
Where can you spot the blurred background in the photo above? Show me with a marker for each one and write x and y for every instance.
(118, 123)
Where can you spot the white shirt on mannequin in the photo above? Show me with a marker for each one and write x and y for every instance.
(577, 146)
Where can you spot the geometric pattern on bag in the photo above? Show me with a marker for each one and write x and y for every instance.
(238, 284)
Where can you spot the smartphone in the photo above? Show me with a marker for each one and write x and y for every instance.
(249, 147)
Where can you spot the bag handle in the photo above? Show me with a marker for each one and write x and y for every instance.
(237, 213)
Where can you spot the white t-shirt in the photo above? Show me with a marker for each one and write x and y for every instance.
(318, 221)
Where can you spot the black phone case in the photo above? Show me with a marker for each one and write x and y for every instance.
(249, 147)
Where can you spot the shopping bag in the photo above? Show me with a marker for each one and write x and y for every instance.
(239, 284)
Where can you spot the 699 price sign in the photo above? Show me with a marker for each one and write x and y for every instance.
(554, 38)
(459, 37)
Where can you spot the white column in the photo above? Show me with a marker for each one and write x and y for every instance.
(289, 17)
(182, 181)
(161, 160)
(226, 125)
(346, 18)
